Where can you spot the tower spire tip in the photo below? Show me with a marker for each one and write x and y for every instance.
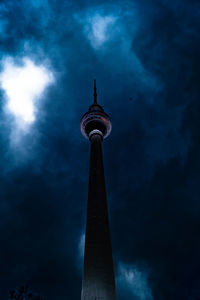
(95, 92)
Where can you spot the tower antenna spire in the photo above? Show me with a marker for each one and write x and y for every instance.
(95, 92)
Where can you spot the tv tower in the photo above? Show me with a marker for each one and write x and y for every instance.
(98, 275)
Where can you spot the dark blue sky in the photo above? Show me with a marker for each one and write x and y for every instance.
(145, 56)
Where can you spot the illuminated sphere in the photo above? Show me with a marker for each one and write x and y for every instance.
(95, 121)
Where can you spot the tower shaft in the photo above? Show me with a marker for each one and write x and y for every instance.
(98, 275)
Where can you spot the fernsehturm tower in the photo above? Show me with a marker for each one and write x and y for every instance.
(98, 274)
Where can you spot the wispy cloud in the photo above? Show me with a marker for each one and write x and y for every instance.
(81, 246)
(99, 28)
(135, 281)
(99, 25)
(108, 30)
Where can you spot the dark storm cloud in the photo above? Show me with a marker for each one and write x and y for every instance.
(146, 61)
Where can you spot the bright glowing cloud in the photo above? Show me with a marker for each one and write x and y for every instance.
(135, 281)
(23, 86)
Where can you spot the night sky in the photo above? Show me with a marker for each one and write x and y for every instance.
(145, 56)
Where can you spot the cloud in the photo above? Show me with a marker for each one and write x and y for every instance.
(111, 31)
(99, 24)
(80, 253)
(23, 86)
(131, 279)
(23, 83)
(98, 29)
(81, 246)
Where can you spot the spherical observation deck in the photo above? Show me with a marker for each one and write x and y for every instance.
(95, 121)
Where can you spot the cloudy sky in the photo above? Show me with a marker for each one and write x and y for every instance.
(145, 55)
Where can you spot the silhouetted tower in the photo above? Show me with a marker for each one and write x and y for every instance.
(98, 274)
